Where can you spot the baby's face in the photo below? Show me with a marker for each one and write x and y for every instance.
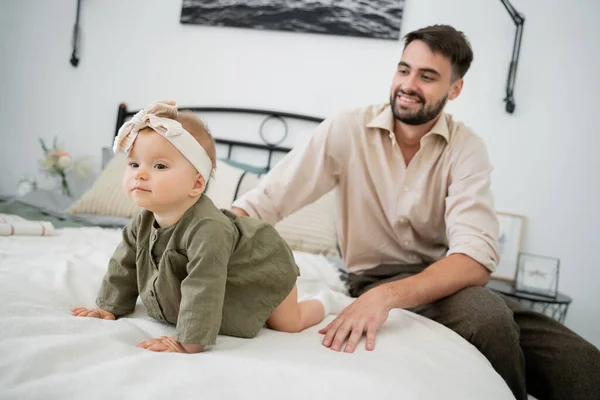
(158, 177)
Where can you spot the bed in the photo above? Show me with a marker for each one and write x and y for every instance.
(46, 353)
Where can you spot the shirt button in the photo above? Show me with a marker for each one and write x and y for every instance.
(406, 243)
(151, 293)
(402, 220)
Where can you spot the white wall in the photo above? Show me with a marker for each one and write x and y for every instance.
(137, 52)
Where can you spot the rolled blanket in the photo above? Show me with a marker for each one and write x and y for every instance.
(11, 225)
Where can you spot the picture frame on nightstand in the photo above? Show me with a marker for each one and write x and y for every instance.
(537, 275)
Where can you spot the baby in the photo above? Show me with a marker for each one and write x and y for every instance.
(205, 270)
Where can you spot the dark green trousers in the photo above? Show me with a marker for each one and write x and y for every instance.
(532, 352)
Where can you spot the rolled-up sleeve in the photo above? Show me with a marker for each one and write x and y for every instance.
(304, 175)
(471, 221)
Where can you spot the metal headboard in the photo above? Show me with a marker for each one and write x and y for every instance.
(123, 114)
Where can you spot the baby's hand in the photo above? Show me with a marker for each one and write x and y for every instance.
(93, 313)
(167, 109)
(169, 345)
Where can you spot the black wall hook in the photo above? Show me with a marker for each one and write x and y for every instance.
(75, 40)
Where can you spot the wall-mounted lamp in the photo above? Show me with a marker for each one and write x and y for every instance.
(519, 21)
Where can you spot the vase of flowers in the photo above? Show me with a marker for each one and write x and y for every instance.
(57, 163)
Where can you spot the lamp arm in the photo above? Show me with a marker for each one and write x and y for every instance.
(519, 21)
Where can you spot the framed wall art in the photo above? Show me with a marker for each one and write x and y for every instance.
(509, 244)
(378, 19)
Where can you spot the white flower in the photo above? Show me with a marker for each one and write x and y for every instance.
(46, 163)
(64, 162)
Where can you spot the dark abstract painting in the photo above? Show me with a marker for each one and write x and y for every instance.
(366, 18)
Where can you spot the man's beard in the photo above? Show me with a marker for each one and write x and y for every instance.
(422, 115)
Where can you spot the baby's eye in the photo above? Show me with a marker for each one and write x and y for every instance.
(160, 166)
(133, 164)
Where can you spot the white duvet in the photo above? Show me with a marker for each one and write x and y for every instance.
(45, 353)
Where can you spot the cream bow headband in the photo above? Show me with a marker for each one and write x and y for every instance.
(168, 128)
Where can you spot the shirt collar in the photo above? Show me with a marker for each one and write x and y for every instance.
(385, 120)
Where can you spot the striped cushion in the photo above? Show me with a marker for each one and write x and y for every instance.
(312, 229)
(106, 196)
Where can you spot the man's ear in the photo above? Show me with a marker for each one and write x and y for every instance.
(455, 89)
(199, 186)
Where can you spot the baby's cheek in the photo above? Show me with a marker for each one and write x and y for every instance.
(171, 184)
(125, 184)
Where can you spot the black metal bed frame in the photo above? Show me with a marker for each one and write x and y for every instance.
(124, 113)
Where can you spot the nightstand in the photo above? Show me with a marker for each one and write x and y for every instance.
(554, 307)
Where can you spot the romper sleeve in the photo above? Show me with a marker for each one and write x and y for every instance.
(209, 248)
(119, 290)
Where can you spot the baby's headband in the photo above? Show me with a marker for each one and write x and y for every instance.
(173, 131)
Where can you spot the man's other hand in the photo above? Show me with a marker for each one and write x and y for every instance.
(366, 314)
(239, 211)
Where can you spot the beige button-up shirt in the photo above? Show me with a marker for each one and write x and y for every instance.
(440, 204)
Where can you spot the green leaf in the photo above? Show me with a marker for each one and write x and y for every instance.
(43, 145)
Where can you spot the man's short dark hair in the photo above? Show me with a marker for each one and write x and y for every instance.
(449, 42)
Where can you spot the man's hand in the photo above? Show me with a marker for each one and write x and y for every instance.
(165, 108)
(441, 279)
(92, 313)
(239, 211)
(366, 314)
(165, 344)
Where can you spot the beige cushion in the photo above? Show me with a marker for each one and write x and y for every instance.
(312, 229)
(106, 196)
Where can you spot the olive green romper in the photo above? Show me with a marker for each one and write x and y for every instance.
(211, 273)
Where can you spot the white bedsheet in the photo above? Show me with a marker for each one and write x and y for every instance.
(45, 353)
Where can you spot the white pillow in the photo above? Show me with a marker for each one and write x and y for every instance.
(229, 183)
